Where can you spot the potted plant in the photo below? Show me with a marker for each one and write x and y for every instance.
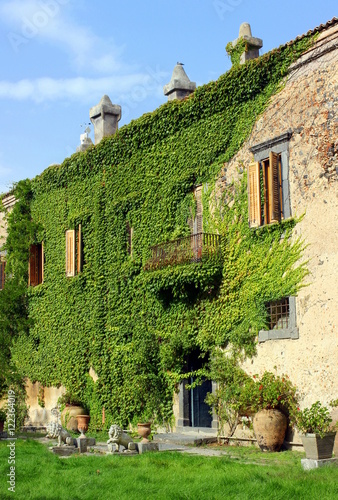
(71, 407)
(270, 399)
(314, 424)
(273, 400)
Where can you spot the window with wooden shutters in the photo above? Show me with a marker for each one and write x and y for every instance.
(70, 252)
(2, 274)
(275, 184)
(74, 251)
(265, 191)
(254, 195)
(36, 265)
(198, 220)
(196, 224)
(79, 249)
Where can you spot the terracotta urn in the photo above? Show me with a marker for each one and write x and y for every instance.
(82, 424)
(270, 429)
(69, 416)
(144, 430)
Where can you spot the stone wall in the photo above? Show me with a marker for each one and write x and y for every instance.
(41, 415)
(306, 107)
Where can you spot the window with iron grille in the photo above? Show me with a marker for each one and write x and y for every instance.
(278, 314)
(282, 320)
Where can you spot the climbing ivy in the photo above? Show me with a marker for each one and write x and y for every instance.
(235, 51)
(133, 326)
(259, 266)
(14, 316)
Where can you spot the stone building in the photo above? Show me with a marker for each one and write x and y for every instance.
(293, 149)
(300, 125)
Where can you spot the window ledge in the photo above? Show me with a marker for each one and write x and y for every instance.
(272, 224)
(282, 334)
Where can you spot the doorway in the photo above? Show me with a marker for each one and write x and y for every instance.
(196, 412)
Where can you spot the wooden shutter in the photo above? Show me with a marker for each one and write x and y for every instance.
(281, 206)
(198, 221)
(2, 275)
(70, 252)
(254, 195)
(79, 249)
(274, 188)
(36, 265)
(33, 267)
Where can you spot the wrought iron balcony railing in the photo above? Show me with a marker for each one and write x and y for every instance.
(192, 248)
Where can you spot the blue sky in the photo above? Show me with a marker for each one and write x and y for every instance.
(58, 57)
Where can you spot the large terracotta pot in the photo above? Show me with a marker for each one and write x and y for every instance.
(144, 430)
(82, 423)
(69, 417)
(270, 428)
(317, 448)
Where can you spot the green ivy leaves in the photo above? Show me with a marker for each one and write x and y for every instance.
(133, 327)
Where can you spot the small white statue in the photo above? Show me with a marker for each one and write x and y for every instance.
(85, 141)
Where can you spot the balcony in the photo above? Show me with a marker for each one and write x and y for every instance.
(194, 248)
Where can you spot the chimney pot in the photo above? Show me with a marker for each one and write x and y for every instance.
(245, 30)
(105, 117)
(179, 86)
(253, 44)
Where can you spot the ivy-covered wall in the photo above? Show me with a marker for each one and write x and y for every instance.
(134, 327)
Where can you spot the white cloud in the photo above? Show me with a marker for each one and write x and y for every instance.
(91, 55)
(85, 89)
(48, 21)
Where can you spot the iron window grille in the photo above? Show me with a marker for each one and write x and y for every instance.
(278, 314)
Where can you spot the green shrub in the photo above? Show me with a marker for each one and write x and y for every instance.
(314, 420)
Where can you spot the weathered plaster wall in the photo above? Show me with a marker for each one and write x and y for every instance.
(3, 232)
(7, 202)
(306, 106)
(38, 415)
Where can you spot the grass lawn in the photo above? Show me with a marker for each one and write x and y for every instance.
(164, 475)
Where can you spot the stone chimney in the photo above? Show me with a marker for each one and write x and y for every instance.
(179, 86)
(253, 44)
(105, 117)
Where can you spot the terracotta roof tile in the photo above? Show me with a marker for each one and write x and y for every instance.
(318, 29)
